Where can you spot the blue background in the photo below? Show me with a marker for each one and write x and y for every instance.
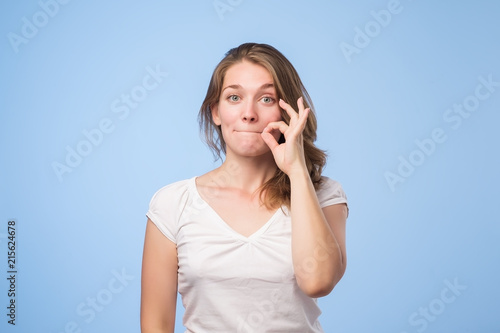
(407, 242)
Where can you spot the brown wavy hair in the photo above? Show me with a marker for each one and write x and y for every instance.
(276, 191)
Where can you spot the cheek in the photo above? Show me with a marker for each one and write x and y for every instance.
(275, 115)
(227, 118)
(277, 135)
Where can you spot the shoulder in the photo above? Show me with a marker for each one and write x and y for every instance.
(167, 206)
(330, 192)
(172, 195)
(173, 189)
(328, 184)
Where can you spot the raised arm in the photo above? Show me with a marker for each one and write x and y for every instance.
(159, 282)
(318, 239)
(318, 235)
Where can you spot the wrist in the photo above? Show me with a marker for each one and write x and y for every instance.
(299, 174)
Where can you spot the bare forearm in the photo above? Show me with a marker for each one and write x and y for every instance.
(316, 254)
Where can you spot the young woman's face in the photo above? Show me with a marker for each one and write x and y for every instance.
(248, 102)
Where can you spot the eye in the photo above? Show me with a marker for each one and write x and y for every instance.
(267, 99)
(233, 98)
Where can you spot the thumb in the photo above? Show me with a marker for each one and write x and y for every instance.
(269, 139)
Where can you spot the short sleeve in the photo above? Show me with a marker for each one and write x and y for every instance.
(330, 193)
(166, 206)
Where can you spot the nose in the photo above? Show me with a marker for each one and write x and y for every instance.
(249, 114)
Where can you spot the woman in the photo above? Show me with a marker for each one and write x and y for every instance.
(253, 243)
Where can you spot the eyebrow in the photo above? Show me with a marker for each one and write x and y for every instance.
(262, 87)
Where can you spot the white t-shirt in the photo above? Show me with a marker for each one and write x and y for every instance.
(230, 283)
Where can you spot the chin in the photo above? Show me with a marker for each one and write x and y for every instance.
(252, 152)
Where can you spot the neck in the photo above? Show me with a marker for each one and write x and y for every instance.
(247, 173)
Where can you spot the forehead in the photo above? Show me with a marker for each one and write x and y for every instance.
(246, 73)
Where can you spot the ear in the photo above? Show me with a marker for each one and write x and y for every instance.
(215, 114)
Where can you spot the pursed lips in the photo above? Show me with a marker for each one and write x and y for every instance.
(248, 131)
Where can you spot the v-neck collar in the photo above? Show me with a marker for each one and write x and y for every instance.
(224, 224)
